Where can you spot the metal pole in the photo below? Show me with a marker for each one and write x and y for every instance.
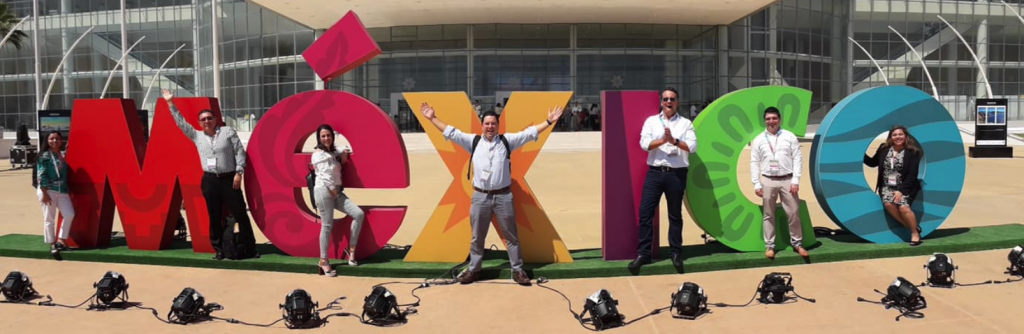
(215, 48)
(35, 45)
(935, 92)
(124, 47)
(880, 71)
(13, 29)
(119, 63)
(145, 98)
(46, 98)
(981, 69)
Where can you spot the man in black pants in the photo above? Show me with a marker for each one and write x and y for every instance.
(223, 160)
(669, 139)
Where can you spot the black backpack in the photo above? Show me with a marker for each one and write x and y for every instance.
(476, 140)
(311, 183)
(234, 247)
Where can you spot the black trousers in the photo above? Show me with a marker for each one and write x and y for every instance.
(673, 184)
(219, 192)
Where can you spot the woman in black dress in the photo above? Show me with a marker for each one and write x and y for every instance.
(898, 160)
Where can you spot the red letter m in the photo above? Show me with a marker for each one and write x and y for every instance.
(107, 152)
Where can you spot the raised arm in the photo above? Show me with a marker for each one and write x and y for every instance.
(449, 132)
(872, 161)
(186, 128)
(428, 112)
(553, 115)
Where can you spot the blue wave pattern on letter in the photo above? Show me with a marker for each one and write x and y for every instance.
(837, 161)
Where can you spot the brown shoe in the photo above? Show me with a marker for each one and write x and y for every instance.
(520, 276)
(769, 253)
(802, 252)
(467, 276)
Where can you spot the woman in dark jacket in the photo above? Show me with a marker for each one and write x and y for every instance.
(898, 160)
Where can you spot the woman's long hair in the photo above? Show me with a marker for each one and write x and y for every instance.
(319, 144)
(910, 144)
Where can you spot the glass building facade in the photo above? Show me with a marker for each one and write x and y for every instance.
(799, 43)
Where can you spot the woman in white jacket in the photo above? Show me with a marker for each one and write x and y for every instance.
(327, 161)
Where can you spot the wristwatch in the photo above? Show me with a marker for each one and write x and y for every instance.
(548, 120)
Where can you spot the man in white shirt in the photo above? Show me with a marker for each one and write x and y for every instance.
(669, 139)
(775, 168)
(492, 183)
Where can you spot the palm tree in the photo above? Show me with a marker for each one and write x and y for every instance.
(7, 22)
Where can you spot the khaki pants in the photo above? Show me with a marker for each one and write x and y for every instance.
(776, 188)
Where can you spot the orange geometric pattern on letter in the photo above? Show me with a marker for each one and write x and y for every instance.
(446, 236)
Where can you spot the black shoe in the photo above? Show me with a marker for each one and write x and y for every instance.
(677, 261)
(218, 257)
(639, 262)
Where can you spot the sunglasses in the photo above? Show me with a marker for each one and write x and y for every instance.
(206, 119)
(668, 99)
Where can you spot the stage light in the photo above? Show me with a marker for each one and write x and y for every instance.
(689, 301)
(1016, 258)
(17, 287)
(941, 271)
(379, 304)
(774, 287)
(300, 310)
(904, 295)
(188, 306)
(110, 287)
(603, 311)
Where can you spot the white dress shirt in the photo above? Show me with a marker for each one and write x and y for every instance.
(783, 148)
(668, 155)
(490, 166)
(327, 168)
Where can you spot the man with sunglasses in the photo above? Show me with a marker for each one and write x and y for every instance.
(669, 139)
(223, 161)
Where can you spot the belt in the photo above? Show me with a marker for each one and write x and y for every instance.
(219, 175)
(494, 192)
(666, 168)
(787, 176)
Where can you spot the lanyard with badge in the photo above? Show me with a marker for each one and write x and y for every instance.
(892, 180)
(773, 165)
(211, 163)
(485, 174)
(58, 161)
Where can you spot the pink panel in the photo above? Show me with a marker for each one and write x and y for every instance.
(624, 165)
(341, 48)
(276, 173)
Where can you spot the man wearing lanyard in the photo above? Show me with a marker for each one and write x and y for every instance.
(223, 160)
(669, 139)
(492, 182)
(775, 167)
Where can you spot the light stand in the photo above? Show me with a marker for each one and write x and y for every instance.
(603, 311)
(689, 302)
(300, 311)
(940, 271)
(17, 287)
(378, 306)
(1016, 258)
(111, 286)
(189, 306)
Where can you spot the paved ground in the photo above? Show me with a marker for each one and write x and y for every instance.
(567, 184)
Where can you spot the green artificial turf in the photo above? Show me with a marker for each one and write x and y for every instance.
(587, 262)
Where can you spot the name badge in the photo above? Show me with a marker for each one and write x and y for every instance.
(892, 181)
(774, 166)
(485, 175)
(211, 163)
